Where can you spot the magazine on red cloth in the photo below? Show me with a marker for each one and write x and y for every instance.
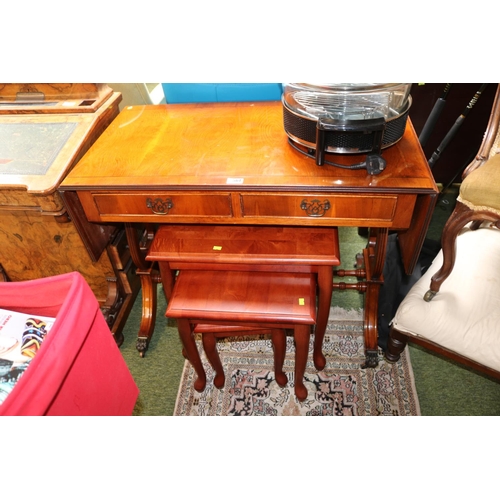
(21, 335)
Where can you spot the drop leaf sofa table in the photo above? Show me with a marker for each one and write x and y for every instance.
(231, 164)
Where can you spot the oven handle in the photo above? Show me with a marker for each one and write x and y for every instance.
(374, 126)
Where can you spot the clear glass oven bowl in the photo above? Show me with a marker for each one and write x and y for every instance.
(347, 101)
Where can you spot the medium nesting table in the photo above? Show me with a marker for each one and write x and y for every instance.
(252, 248)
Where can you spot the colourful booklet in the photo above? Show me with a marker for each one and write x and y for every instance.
(21, 335)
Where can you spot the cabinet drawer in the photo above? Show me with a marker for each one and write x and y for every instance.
(162, 205)
(339, 209)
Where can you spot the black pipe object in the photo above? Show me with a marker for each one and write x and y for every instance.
(433, 116)
(454, 129)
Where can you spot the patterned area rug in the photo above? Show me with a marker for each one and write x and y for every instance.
(340, 389)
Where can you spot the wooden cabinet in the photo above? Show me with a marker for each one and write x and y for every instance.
(44, 130)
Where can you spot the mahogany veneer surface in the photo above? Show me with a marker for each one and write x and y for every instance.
(246, 244)
(228, 145)
(244, 297)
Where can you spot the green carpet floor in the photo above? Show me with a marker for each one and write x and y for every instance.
(444, 388)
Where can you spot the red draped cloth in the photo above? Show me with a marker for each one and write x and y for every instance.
(79, 369)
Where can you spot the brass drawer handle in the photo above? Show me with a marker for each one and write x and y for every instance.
(315, 208)
(159, 206)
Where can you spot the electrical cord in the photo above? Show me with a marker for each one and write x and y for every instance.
(374, 164)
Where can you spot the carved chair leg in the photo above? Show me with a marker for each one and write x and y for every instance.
(395, 346)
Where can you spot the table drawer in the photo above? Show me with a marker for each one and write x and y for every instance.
(165, 206)
(383, 210)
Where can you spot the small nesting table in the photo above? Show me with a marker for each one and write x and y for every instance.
(250, 299)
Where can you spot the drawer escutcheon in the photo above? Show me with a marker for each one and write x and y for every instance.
(315, 208)
(159, 206)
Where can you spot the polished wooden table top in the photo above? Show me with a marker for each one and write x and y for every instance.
(224, 145)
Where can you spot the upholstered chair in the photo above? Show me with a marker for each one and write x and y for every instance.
(459, 316)
(462, 322)
(478, 199)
